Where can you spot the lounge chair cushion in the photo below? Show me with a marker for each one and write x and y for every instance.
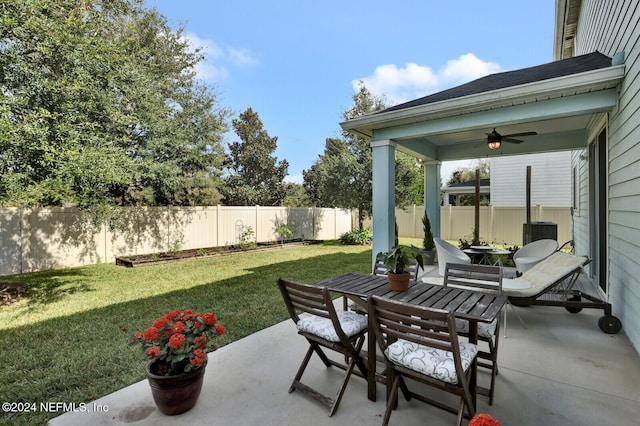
(351, 322)
(542, 275)
(430, 361)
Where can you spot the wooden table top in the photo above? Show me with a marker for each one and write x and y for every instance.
(466, 304)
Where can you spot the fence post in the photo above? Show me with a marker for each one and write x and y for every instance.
(256, 220)
(218, 223)
(450, 222)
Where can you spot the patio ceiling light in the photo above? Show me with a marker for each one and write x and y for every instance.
(493, 144)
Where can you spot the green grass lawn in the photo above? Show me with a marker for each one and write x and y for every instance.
(66, 340)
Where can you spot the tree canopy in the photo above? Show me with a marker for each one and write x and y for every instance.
(100, 107)
(342, 175)
(255, 175)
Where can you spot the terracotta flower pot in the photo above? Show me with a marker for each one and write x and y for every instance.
(399, 282)
(175, 394)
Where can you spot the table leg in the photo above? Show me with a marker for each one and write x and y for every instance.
(371, 361)
(473, 383)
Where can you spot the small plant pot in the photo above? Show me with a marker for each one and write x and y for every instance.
(428, 257)
(399, 282)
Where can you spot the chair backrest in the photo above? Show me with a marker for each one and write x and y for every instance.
(379, 268)
(478, 277)
(537, 249)
(304, 298)
(434, 328)
(448, 253)
(448, 247)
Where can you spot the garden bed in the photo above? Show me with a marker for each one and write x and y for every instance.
(175, 256)
(11, 292)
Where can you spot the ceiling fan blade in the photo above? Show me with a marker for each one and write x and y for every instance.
(511, 140)
(520, 134)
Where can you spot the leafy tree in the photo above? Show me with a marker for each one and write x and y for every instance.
(296, 196)
(468, 174)
(100, 107)
(256, 177)
(409, 181)
(342, 175)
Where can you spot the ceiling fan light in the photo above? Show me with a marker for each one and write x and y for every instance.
(493, 144)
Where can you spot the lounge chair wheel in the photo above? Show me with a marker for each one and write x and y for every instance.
(572, 309)
(610, 324)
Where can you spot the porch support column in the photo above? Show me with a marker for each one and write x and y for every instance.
(384, 199)
(432, 194)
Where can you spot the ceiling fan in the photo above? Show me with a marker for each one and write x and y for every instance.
(494, 139)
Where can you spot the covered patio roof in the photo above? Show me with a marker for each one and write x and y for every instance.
(556, 100)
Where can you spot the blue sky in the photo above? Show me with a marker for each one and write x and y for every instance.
(297, 63)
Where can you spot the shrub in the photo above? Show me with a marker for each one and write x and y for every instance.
(357, 237)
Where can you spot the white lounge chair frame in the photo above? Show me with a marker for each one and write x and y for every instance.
(551, 283)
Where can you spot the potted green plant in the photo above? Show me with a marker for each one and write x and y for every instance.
(397, 261)
(427, 242)
(176, 347)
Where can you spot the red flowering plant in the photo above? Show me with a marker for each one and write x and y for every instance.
(179, 341)
(483, 420)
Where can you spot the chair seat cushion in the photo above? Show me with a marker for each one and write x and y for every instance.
(352, 323)
(432, 362)
(485, 329)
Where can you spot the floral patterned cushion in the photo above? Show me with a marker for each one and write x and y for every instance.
(351, 323)
(485, 329)
(430, 361)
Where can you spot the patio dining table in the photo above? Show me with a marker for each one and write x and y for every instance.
(466, 304)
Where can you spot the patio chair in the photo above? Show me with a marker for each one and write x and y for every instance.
(533, 253)
(448, 253)
(340, 331)
(486, 279)
(421, 344)
(552, 282)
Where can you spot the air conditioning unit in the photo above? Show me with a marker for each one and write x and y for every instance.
(540, 231)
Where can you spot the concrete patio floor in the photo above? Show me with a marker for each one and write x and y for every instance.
(560, 370)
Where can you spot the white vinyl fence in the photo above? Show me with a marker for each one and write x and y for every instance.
(497, 224)
(39, 239)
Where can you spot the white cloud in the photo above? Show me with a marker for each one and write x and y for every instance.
(294, 179)
(466, 68)
(217, 58)
(414, 81)
(240, 57)
(209, 47)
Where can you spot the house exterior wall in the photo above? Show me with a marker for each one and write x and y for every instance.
(612, 27)
(550, 180)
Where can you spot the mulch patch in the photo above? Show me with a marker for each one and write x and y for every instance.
(11, 292)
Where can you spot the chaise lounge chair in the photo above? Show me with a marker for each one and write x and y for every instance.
(551, 283)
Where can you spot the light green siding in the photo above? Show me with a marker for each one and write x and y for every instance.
(612, 27)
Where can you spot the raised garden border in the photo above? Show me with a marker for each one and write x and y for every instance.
(176, 256)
